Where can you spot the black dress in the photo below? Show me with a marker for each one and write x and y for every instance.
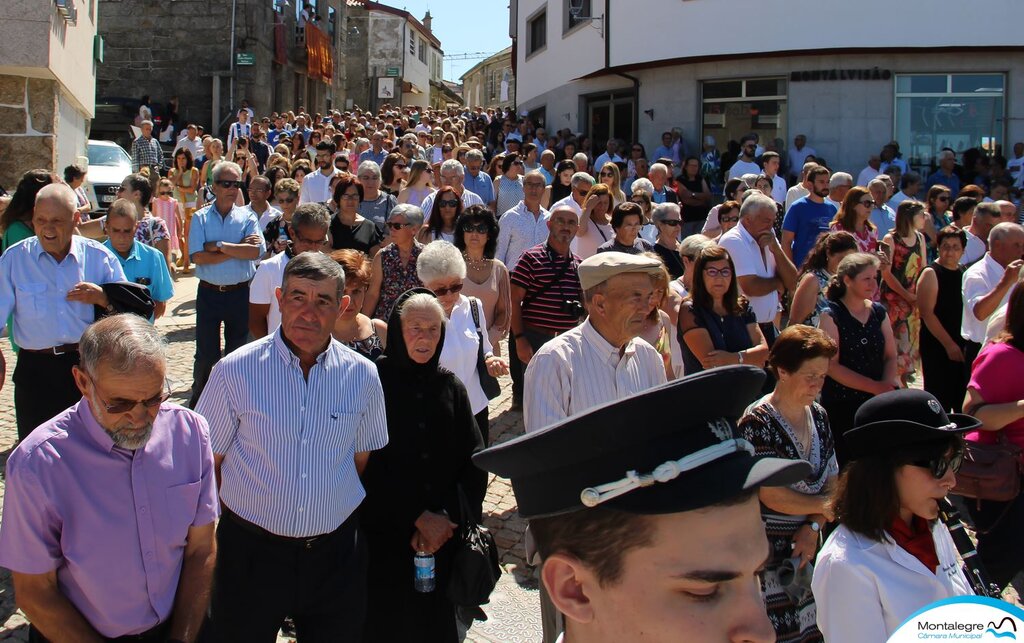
(944, 378)
(431, 438)
(362, 236)
(673, 262)
(861, 349)
(728, 333)
(694, 213)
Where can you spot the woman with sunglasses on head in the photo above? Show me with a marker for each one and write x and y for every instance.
(487, 278)
(891, 555)
(393, 174)
(349, 229)
(442, 270)
(995, 394)
(419, 185)
(394, 267)
(809, 301)
(854, 216)
(508, 186)
(441, 224)
(611, 176)
(716, 325)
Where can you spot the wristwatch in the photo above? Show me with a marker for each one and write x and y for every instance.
(815, 526)
(740, 355)
(220, 244)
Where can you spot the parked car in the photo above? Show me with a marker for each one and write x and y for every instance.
(108, 165)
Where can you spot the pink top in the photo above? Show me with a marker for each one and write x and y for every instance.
(989, 378)
(495, 288)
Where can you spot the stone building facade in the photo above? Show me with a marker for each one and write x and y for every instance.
(47, 85)
(183, 48)
(491, 82)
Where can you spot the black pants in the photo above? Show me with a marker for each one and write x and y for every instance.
(1000, 529)
(259, 580)
(156, 635)
(515, 368)
(971, 350)
(214, 308)
(475, 495)
(43, 387)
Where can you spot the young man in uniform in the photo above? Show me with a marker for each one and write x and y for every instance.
(647, 521)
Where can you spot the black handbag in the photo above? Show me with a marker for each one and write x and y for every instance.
(488, 382)
(474, 564)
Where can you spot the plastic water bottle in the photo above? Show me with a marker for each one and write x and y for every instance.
(424, 564)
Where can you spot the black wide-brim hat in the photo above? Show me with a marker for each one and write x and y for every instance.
(902, 420)
(670, 449)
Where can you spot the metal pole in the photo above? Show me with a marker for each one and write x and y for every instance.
(231, 62)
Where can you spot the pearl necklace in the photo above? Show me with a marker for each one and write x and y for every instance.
(475, 264)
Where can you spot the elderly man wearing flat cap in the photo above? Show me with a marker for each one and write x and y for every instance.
(647, 521)
(601, 360)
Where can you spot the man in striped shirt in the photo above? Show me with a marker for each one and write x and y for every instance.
(293, 418)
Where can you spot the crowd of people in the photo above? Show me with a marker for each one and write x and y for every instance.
(360, 276)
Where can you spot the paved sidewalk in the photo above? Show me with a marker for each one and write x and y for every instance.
(514, 612)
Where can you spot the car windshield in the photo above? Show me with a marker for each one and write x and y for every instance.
(108, 155)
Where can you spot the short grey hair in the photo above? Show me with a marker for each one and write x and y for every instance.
(661, 211)
(124, 343)
(413, 214)
(422, 301)
(146, 122)
(755, 202)
(1002, 230)
(581, 177)
(840, 179)
(474, 155)
(877, 183)
(691, 246)
(440, 260)
(580, 156)
(658, 167)
(643, 185)
(453, 165)
(312, 215)
(315, 266)
(947, 154)
(368, 166)
(222, 167)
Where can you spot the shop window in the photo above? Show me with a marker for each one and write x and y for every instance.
(537, 33)
(734, 108)
(958, 111)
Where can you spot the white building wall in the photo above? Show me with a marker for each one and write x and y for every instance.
(565, 58)
(414, 71)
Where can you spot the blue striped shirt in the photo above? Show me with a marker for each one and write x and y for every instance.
(209, 225)
(289, 444)
(480, 185)
(35, 288)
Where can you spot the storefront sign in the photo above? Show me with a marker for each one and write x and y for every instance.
(841, 74)
(392, 72)
(244, 59)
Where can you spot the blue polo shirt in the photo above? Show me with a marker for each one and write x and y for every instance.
(480, 185)
(209, 225)
(377, 158)
(146, 263)
(806, 220)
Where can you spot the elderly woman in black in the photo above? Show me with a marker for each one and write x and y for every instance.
(413, 484)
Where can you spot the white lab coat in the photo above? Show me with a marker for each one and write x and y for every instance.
(865, 589)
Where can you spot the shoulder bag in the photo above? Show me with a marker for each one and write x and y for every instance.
(474, 566)
(990, 471)
(488, 382)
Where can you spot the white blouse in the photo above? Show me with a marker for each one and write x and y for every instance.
(459, 352)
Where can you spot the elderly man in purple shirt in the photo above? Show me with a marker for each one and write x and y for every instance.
(108, 523)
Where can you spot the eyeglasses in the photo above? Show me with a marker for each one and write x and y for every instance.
(868, 202)
(480, 228)
(230, 184)
(939, 466)
(728, 219)
(290, 199)
(164, 194)
(398, 226)
(453, 289)
(714, 273)
(121, 188)
(124, 406)
(449, 203)
(429, 170)
(672, 222)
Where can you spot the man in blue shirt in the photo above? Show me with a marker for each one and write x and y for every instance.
(376, 153)
(807, 218)
(50, 283)
(142, 264)
(477, 181)
(225, 242)
(945, 174)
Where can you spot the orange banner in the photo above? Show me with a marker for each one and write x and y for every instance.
(320, 63)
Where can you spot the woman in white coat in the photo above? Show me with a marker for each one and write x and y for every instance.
(890, 555)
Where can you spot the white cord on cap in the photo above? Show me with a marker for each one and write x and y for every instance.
(665, 472)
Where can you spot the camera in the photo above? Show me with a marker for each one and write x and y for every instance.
(574, 309)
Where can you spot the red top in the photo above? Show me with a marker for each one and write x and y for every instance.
(918, 542)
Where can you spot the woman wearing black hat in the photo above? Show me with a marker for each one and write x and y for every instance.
(412, 502)
(789, 424)
(890, 556)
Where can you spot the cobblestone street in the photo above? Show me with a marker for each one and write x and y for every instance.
(514, 613)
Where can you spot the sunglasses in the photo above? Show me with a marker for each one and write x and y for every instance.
(672, 222)
(164, 194)
(939, 466)
(728, 219)
(231, 184)
(400, 167)
(480, 228)
(716, 272)
(290, 199)
(398, 226)
(453, 289)
(124, 406)
(868, 202)
(449, 203)
(942, 198)
(607, 174)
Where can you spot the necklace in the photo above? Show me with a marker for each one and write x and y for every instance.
(476, 264)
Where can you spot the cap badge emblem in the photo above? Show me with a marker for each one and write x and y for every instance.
(721, 429)
(935, 406)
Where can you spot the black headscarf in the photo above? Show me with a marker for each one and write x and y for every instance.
(396, 354)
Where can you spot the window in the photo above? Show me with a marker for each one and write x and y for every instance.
(571, 22)
(412, 43)
(332, 20)
(734, 108)
(536, 33)
(423, 51)
(959, 111)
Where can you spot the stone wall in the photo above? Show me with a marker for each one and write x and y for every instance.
(28, 126)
